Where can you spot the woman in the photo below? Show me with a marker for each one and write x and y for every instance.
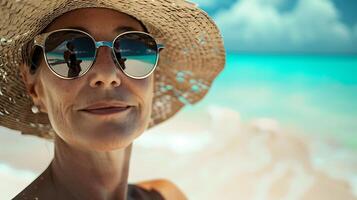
(70, 58)
(172, 51)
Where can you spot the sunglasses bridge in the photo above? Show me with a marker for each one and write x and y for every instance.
(103, 43)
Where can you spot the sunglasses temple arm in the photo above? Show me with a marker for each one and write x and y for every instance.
(160, 47)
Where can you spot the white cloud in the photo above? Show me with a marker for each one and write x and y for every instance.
(257, 25)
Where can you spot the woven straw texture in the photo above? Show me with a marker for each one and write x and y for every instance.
(194, 54)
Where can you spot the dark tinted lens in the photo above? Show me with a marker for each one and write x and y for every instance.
(136, 53)
(69, 53)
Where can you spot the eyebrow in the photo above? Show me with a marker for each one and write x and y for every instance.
(117, 30)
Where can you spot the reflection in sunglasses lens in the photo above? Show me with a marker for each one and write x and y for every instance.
(69, 53)
(136, 53)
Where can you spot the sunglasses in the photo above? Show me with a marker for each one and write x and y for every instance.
(70, 53)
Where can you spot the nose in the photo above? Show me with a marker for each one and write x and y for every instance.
(104, 72)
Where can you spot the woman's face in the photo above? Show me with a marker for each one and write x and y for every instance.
(64, 99)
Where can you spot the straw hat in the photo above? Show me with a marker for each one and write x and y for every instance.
(194, 54)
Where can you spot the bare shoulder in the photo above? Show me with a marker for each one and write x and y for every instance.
(166, 188)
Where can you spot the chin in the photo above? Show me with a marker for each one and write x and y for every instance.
(110, 140)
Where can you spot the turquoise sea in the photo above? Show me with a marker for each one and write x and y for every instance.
(316, 94)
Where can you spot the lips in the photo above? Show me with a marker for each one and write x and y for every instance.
(103, 108)
(107, 110)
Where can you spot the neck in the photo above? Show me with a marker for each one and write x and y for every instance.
(88, 174)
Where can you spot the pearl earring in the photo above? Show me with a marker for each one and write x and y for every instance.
(35, 109)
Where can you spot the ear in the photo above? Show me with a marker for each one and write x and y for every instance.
(33, 86)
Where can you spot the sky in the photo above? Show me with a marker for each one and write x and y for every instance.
(286, 26)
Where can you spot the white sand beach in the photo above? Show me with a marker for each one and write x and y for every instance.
(213, 156)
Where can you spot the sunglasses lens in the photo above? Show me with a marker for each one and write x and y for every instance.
(69, 53)
(136, 53)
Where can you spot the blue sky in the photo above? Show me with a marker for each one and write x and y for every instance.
(286, 26)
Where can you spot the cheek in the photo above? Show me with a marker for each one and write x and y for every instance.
(59, 98)
(146, 96)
